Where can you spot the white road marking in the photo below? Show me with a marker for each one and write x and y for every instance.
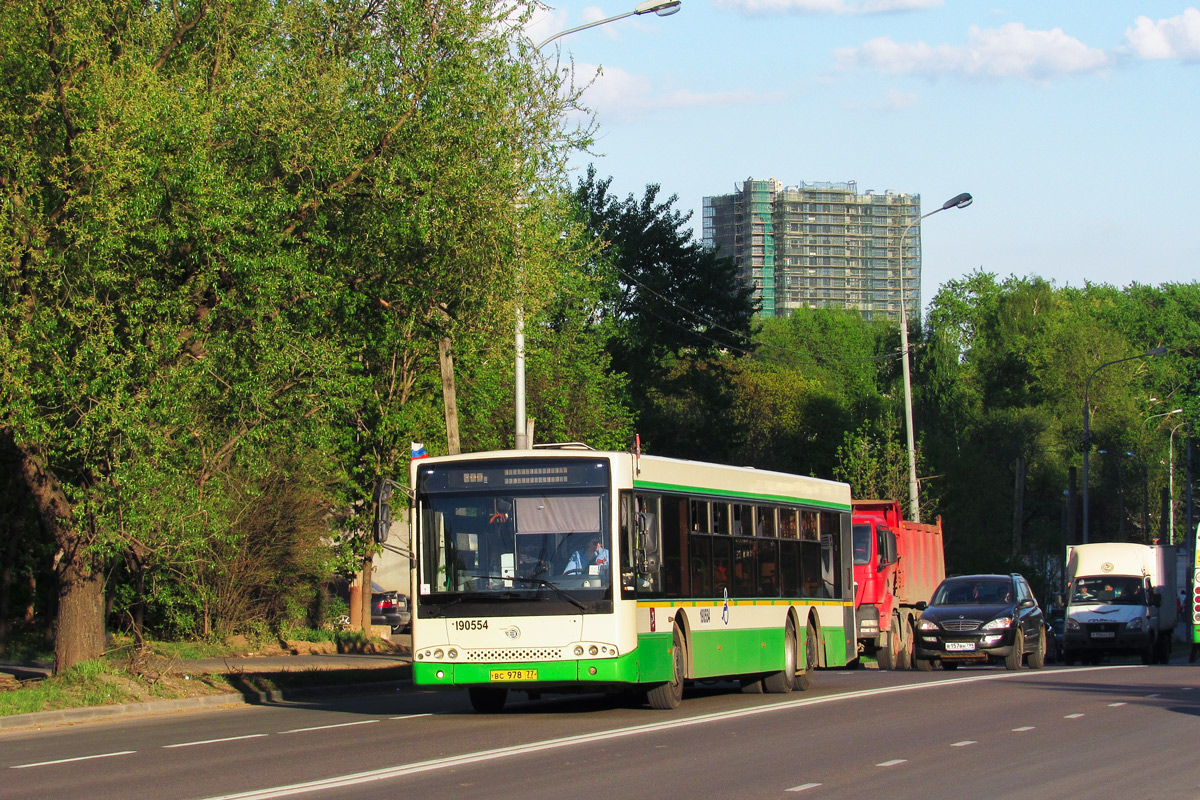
(892, 763)
(1073, 716)
(1023, 729)
(1114, 705)
(963, 743)
(1152, 695)
(215, 741)
(327, 727)
(411, 716)
(802, 787)
(401, 770)
(68, 760)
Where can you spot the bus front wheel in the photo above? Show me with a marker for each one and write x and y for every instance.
(667, 696)
(781, 682)
(487, 699)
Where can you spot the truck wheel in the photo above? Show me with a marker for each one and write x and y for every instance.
(891, 647)
(1037, 659)
(667, 696)
(1014, 659)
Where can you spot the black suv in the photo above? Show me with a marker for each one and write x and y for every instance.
(981, 619)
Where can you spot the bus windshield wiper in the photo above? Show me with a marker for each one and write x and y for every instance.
(541, 582)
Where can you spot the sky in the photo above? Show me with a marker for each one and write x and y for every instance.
(1075, 124)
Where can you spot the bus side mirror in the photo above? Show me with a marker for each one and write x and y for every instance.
(383, 510)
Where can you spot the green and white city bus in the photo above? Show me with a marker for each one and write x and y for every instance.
(566, 569)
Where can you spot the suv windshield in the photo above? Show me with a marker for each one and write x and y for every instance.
(973, 592)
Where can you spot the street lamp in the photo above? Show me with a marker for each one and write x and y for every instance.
(1171, 484)
(1087, 424)
(663, 8)
(958, 201)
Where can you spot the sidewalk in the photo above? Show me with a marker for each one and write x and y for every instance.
(344, 673)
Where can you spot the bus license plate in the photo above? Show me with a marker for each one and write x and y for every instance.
(960, 646)
(513, 675)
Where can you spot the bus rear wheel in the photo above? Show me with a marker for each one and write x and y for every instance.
(802, 681)
(781, 682)
(667, 696)
(487, 699)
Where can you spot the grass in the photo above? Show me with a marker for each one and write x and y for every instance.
(127, 674)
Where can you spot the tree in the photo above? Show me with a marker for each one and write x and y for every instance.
(226, 229)
(670, 309)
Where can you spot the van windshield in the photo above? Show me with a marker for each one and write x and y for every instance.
(1127, 591)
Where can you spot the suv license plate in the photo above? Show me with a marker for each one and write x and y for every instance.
(959, 646)
(513, 675)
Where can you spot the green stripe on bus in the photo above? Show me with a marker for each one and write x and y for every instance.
(772, 498)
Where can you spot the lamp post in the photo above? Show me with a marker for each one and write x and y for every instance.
(1087, 425)
(1171, 484)
(663, 8)
(958, 201)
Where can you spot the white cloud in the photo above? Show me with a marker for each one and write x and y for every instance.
(827, 6)
(1010, 51)
(616, 92)
(1177, 37)
(892, 101)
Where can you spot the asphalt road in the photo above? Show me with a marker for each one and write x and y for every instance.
(1123, 731)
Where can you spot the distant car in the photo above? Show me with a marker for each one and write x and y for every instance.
(981, 619)
(390, 608)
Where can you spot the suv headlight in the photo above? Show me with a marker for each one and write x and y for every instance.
(999, 622)
(1072, 624)
(926, 625)
(1135, 624)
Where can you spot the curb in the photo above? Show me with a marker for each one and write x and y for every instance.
(68, 716)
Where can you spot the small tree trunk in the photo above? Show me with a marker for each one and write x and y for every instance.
(79, 633)
(449, 395)
(366, 594)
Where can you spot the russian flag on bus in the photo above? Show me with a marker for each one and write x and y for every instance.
(418, 450)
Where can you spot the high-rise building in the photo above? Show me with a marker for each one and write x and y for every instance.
(819, 245)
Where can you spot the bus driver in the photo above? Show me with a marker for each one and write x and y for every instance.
(592, 554)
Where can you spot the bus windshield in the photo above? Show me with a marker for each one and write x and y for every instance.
(514, 530)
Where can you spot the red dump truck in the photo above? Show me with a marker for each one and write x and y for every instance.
(897, 564)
